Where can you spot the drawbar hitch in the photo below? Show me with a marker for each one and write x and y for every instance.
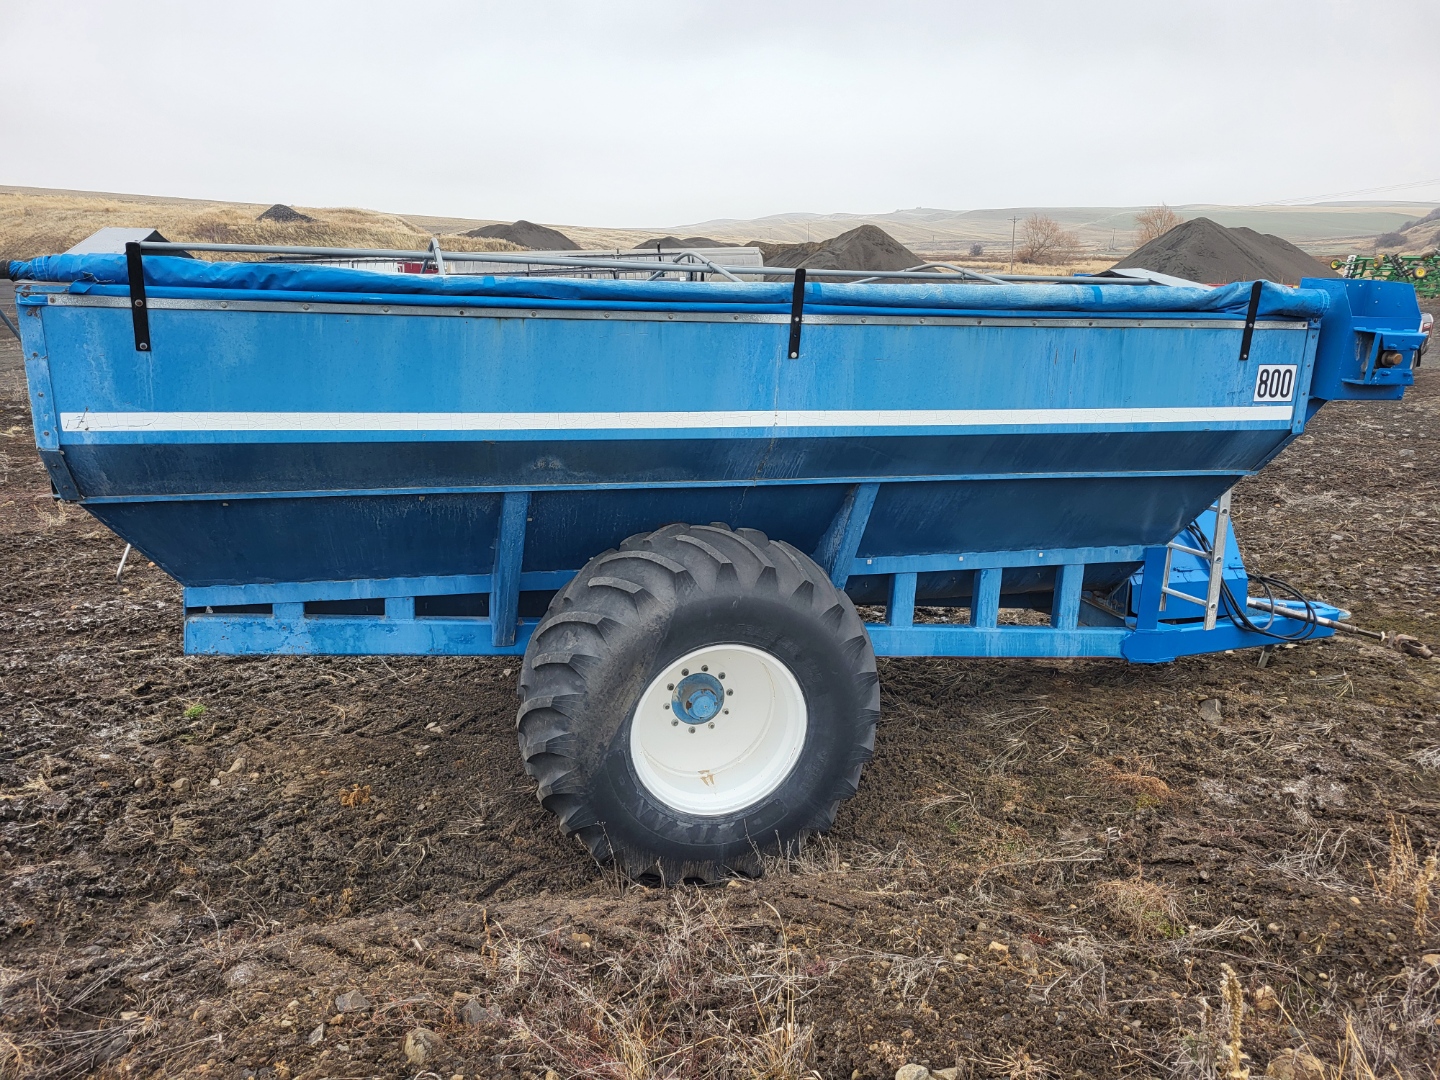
(1250, 314)
(797, 313)
(139, 311)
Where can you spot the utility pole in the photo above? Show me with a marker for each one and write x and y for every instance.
(1013, 222)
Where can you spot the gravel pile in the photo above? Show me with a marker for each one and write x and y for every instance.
(674, 243)
(283, 214)
(1204, 251)
(527, 234)
(865, 248)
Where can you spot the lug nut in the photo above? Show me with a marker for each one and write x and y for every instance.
(712, 722)
(692, 731)
(704, 667)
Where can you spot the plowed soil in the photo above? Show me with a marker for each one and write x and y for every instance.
(1048, 870)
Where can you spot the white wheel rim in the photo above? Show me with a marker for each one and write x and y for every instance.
(705, 763)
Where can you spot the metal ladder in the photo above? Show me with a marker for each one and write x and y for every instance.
(1215, 557)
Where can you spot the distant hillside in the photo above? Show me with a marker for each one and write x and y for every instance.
(43, 222)
(1418, 237)
(1326, 229)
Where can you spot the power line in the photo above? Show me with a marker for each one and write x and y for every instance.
(1357, 191)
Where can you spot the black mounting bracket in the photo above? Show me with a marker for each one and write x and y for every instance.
(797, 313)
(1250, 314)
(139, 306)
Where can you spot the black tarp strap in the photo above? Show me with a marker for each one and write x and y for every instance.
(139, 308)
(1250, 314)
(797, 313)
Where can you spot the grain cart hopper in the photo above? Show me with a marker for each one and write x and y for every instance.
(699, 508)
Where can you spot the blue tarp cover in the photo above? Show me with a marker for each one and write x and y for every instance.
(167, 276)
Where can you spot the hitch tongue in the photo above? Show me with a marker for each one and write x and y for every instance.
(1405, 643)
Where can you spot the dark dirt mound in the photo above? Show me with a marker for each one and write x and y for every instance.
(865, 248)
(528, 235)
(283, 214)
(1201, 250)
(669, 242)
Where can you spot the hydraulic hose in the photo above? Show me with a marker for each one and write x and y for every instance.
(1236, 611)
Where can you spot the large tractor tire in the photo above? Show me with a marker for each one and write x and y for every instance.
(696, 699)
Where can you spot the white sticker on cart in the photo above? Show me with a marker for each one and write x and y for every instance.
(1275, 382)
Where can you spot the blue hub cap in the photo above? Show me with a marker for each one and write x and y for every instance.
(697, 698)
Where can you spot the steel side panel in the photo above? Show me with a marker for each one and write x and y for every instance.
(393, 501)
(929, 639)
(330, 364)
(338, 635)
(362, 636)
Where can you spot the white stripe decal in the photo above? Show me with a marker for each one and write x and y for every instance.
(657, 421)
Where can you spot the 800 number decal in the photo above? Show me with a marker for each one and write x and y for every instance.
(1275, 382)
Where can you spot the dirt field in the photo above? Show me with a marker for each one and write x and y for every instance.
(1047, 872)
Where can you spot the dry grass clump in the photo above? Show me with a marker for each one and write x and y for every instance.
(1131, 775)
(1018, 1065)
(1232, 1017)
(1147, 908)
(33, 224)
(1408, 879)
(693, 999)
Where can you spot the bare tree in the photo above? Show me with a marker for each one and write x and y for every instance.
(1154, 223)
(1046, 241)
(976, 250)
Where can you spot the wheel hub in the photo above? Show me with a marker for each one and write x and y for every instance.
(697, 698)
(718, 730)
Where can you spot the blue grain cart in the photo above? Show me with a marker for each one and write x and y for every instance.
(699, 508)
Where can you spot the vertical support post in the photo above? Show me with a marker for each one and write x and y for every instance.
(1250, 312)
(288, 613)
(1217, 560)
(1065, 610)
(42, 400)
(901, 609)
(1165, 574)
(400, 607)
(139, 306)
(505, 579)
(797, 314)
(1152, 585)
(841, 541)
(985, 602)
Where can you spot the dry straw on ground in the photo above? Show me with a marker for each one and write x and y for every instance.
(1408, 879)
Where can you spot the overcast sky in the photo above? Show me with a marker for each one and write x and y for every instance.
(659, 113)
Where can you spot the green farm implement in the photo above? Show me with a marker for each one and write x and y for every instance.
(1421, 271)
